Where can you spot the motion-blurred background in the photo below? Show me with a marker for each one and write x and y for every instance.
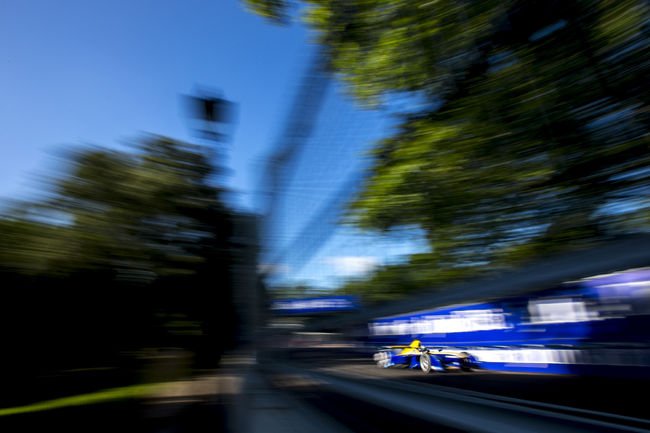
(214, 212)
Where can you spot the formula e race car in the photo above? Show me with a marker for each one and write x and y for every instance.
(415, 355)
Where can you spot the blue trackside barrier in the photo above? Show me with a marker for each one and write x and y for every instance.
(596, 325)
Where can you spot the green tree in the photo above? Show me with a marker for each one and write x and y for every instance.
(132, 248)
(532, 128)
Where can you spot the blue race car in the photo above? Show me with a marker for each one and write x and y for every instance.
(415, 355)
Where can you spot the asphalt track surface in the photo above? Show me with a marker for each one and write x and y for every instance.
(627, 397)
(615, 396)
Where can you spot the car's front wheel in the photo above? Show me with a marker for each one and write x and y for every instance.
(382, 359)
(425, 362)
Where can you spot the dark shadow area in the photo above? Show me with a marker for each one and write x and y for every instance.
(622, 396)
(132, 272)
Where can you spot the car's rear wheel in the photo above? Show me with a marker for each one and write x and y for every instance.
(465, 364)
(425, 362)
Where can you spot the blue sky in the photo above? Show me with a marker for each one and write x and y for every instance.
(77, 72)
(334, 155)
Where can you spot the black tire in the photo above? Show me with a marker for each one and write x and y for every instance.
(425, 363)
(464, 363)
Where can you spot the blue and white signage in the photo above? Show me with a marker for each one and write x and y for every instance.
(324, 304)
(590, 326)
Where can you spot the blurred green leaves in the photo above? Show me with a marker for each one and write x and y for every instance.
(530, 135)
(144, 215)
(274, 10)
(132, 248)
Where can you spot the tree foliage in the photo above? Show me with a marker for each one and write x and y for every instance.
(131, 249)
(531, 129)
